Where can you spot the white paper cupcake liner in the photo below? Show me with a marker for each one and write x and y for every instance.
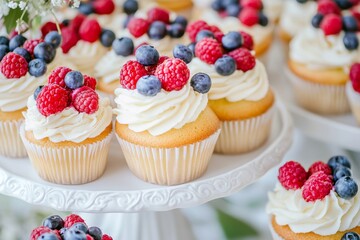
(68, 165)
(169, 166)
(10, 140)
(244, 135)
(354, 100)
(319, 98)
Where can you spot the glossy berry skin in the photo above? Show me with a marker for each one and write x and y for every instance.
(248, 41)
(90, 30)
(130, 6)
(123, 46)
(183, 52)
(13, 66)
(57, 76)
(158, 14)
(138, 26)
(292, 175)
(217, 5)
(173, 74)
(74, 235)
(48, 236)
(355, 76)
(85, 100)
(346, 188)
(4, 41)
(195, 27)
(86, 8)
(147, 55)
(201, 83)
(344, 4)
(95, 232)
(30, 44)
(89, 82)
(349, 23)
(106, 237)
(316, 20)
(191, 46)
(319, 166)
(317, 187)
(107, 37)
(263, 20)
(23, 52)
(44, 51)
(74, 80)
(80, 226)
(232, 40)
(151, 69)
(104, 7)
(157, 30)
(130, 73)
(63, 231)
(340, 172)
(341, 160)
(204, 34)
(331, 24)
(37, 91)
(52, 99)
(16, 41)
(225, 66)
(3, 51)
(54, 222)
(37, 67)
(181, 20)
(245, 61)
(148, 85)
(350, 236)
(233, 10)
(176, 30)
(351, 41)
(53, 38)
(249, 17)
(208, 50)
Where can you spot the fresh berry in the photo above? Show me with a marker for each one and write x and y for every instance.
(316, 20)
(74, 80)
(208, 50)
(48, 27)
(214, 29)
(71, 219)
(225, 65)
(263, 20)
(37, 67)
(130, 6)
(148, 85)
(90, 30)
(4, 40)
(355, 76)
(195, 27)
(123, 46)
(346, 187)
(350, 236)
(349, 23)
(52, 99)
(104, 6)
(233, 10)
(173, 74)
(341, 171)
(327, 7)
(151, 69)
(138, 26)
(3, 51)
(147, 55)
(248, 41)
(176, 30)
(23, 52)
(53, 38)
(204, 34)
(127, 20)
(77, 22)
(106, 237)
(37, 232)
(13, 66)
(54, 222)
(89, 82)
(245, 61)
(158, 14)
(351, 41)
(88, 237)
(45, 51)
(183, 52)
(57, 76)
(73, 234)
(344, 4)
(232, 40)
(181, 20)
(29, 45)
(256, 4)
(130, 74)
(157, 30)
(86, 8)
(319, 166)
(249, 17)
(317, 187)
(16, 41)
(69, 39)
(201, 83)
(339, 160)
(37, 91)
(217, 5)
(292, 175)
(80, 226)
(191, 46)
(48, 236)
(95, 232)
(85, 99)
(62, 232)
(107, 37)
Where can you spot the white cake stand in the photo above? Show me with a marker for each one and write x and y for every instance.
(138, 210)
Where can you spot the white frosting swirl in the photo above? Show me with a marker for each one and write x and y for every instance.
(68, 125)
(317, 51)
(323, 217)
(15, 92)
(252, 85)
(295, 16)
(161, 113)
(272, 8)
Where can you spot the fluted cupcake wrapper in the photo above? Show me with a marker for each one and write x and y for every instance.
(244, 135)
(274, 235)
(10, 140)
(169, 166)
(354, 100)
(68, 165)
(319, 98)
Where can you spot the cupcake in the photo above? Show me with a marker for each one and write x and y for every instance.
(353, 91)
(164, 127)
(67, 129)
(319, 61)
(240, 94)
(183, 7)
(322, 203)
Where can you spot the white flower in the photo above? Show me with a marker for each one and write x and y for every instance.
(12, 4)
(22, 5)
(58, 3)
(4, 8)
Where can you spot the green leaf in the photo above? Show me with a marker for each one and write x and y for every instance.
(10, 19)
(235, 228)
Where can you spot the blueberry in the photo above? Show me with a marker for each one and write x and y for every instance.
(4, 41)
(201, 82)
(340, 172)
(183, 52)
(181, 20)
(226, 3)
(316, 20)
(302, 1)
(349, 23)
(346, 187)
(37, 67)
(95, 232)
(86, 8)
(74, 79)
(23, 52)
(225, 66)
(263, 20)
(130, 6)
(191, 46)
(16, 41)
(344, 4)
(3, 51)
(44, 51)
(37, 91)
(176, 30)
(350, 236)
(233, 10)
(80, 226)
(204, 34)
(232, 40)
(341, 160)
(66, 22)
(72, 234)
(48, 236)
(53, 222)
(157, 30)
(107, 37)
(351, 41)
(217, 5)
(147, 55)
(53, 38)
(63, 231)
(148, 85)
(123, 46)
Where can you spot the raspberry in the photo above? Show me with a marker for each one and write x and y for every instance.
(14, 66)
(52, 99)
(106, 237)
(248, 41)
(89, 82)
(57, 76)
(69, 39)
(195, 27)
(328, 6)
(29, 45)
(173, 74)
(103, 6)
(249, 16)
(77, 21)
(317, 187)
(151, 69)
(130, 74)
(48, 27)
(158, 14)
(85, 99)
(292, 175)
(245, 61)
(256, 4)
(88, 237)
(38, 231)
(71, 219)
(208, 50)
(319, 166)
(331, 24)
(138, 26)
(217, 32)
(355, 76)
(90, 30)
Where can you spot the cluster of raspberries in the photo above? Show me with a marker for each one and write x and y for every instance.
(355, 76)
